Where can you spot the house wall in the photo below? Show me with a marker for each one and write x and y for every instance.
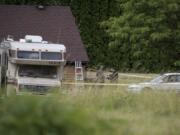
(69, 73)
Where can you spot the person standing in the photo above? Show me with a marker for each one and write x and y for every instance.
(100, 78)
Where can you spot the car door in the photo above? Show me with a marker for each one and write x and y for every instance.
(177, 83)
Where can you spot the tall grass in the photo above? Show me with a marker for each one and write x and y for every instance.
(145, 113)
(95, 110)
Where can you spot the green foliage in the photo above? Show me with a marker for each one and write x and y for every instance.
(146, 34)
(89, 14)
(43, 116)
(177, 63)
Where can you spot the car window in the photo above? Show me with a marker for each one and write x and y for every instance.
(165, 79)
(169, 79)
(172, 78)
(157, 79)
(178, 78)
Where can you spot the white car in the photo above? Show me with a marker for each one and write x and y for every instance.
(168, 81)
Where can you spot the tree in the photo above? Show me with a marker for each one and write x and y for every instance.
(146, 36)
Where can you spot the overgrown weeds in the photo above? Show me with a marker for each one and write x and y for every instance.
(92, 110)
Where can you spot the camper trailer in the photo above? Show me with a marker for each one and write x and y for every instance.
(32, 64)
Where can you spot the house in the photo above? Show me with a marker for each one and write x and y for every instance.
(53, 23)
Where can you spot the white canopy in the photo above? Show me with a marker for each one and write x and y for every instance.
(37, 46)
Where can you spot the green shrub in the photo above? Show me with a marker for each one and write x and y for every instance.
(43, 116)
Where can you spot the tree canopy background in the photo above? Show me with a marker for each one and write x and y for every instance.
(146, 35)
(129, 35)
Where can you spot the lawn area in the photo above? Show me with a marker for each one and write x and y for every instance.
(94, 110)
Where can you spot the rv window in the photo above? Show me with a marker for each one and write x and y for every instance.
(51, 55)
(12, 53)
(28, 55)
(6, 59)
(38, 71)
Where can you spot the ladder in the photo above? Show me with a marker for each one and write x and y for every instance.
(78, 71)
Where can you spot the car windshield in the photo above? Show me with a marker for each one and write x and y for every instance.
(38, 71)
(157, 79)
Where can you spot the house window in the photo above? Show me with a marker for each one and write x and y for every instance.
(51, 56)
(28, 55)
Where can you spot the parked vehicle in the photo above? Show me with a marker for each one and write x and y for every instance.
(32, 64)
(168, 81)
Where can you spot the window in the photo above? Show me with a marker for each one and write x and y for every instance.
(178, 78)
(28, 55)
(51, 56)
(6, 59)
(38, 71)
(12, 53)
(165, 79)
(172, 78)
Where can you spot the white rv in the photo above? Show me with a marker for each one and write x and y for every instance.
(32, 64)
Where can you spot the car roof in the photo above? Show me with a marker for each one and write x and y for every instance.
(171, 74)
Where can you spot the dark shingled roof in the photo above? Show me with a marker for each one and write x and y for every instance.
(54, 23)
